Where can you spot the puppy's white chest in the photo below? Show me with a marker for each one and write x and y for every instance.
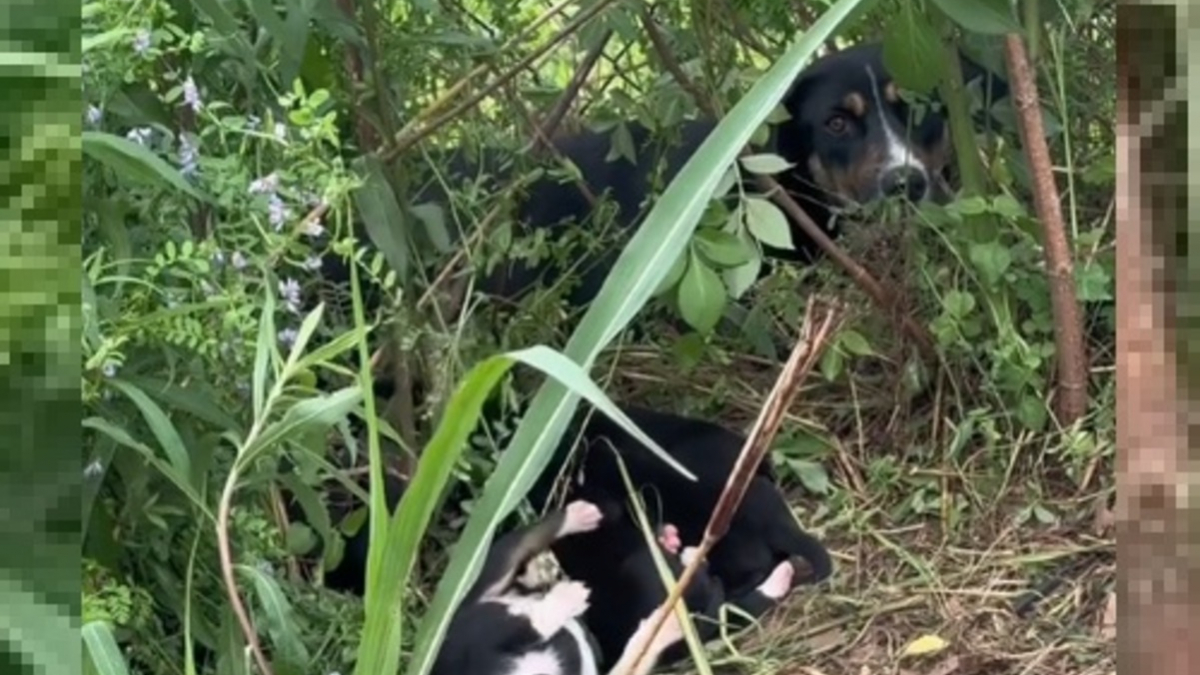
(542, 662)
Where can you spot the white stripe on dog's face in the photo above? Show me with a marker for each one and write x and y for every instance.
(899, 152)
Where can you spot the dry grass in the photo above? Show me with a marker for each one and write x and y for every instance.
(903, 576)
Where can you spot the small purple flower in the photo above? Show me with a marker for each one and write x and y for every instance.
(141, 42)
(94, 115)
(110, 369)
(191, 95)
(289, 291)
(189, 155)
(139, 135)
(268, 184)
(238, 261)
(312, 263)
(314, 228)
(287, 337)
(278, 212)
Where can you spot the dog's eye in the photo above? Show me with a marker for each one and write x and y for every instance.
(837, 125)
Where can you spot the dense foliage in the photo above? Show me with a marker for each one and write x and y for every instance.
(238, 150)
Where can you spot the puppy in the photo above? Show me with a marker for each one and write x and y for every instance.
(763, 532)
(515, 621)
(626, 584)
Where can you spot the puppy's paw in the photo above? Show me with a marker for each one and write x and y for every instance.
(688, 554)
(569, 598)
(581, 516)
(779, 582)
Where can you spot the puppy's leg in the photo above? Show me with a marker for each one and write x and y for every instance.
(768, 594)
(512, 552)
(671, 633)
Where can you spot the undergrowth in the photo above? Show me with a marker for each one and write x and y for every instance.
(236, 152)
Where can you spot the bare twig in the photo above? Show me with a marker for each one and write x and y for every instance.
(422, 126)
(1072, 397)
(814, 337)
(555, 117)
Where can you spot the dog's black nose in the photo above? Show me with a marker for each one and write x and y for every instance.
(905, 180)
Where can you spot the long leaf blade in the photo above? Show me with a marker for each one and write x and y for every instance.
(135, 162)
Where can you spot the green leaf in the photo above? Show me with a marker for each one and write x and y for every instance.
(264, 349)
(765, 163)
(832, 364)
(645, 260)
(132, 161)
(741, 278)
(195, 398)
(306, 416)
(986, 17)
(381, 214)
(622, 145)
(278, 618)
(674, 275)
(327, 352)
(1093, 283)
(102, 649)
(912, 51)
(812, 475)
(160, 425)
(433, 217)
(121, 436)
(992, 259)
(767, 223)
(701, 296)
(307, 327)
(104, 39)
(1031, 411)
(1008, 207)
(854, 342)
(721, 248)
(958, 304)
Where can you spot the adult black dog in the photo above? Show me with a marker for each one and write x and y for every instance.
(849, 140)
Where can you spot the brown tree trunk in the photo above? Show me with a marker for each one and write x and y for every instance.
(1159, 589)
(1068, 324)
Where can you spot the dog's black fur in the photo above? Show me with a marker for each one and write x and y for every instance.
(763, 532)
(847, 139)
(627, 586)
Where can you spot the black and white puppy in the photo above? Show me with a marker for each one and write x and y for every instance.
(763, 532)
(516, 621)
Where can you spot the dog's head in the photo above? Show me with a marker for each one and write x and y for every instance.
(857, 140)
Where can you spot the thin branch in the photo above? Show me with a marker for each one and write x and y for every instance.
(421, 127)
(225, 552)
(1068, 322)
(555, 117)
